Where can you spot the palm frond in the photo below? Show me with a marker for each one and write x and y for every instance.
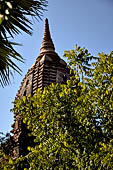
(15, 19)
(7, 57)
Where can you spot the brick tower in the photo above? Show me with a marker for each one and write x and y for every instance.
(48, 68)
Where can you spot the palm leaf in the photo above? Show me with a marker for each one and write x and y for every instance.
(13, 22)
(7, 64)
(17, 19)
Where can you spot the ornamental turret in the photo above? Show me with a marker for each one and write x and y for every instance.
(47, 43)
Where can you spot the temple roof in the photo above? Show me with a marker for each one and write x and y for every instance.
(48, 68)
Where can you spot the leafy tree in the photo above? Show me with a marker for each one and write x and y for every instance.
(5, 144)
(72, 123)
(15, 18)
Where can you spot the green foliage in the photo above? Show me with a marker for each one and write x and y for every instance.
(79, 60)
(72, 123)
(4, 150)
(14, 19)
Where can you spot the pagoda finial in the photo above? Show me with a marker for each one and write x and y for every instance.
(47, 43)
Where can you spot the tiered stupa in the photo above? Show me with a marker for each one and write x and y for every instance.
(48, 68)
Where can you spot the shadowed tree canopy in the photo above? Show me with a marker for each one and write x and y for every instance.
(15, 18)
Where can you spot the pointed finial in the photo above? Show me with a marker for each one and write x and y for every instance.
(47, 43)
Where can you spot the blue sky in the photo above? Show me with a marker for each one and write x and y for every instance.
(87, 23)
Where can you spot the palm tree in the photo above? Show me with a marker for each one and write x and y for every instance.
(14, 19)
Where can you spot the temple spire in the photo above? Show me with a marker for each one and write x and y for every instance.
(47, 43)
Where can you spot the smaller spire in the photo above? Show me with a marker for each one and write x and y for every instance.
(47, 43)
